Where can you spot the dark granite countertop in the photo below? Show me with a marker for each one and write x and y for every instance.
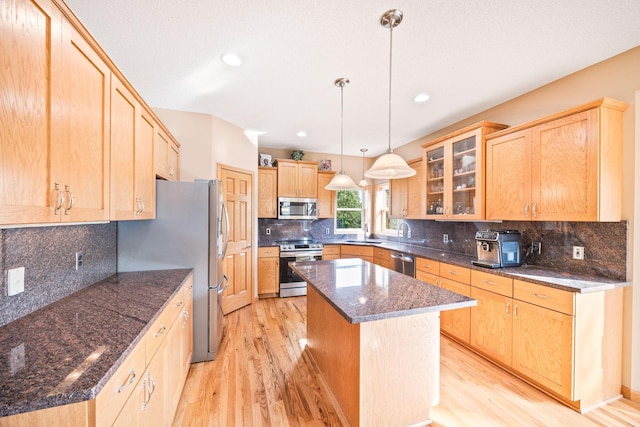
(87, 334)
(361, 291)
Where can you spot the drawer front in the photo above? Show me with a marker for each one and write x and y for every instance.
(492, 282)
(358, 251)
(544, 296)
(156, 334)
(429, 278)
(330, 250)
(269, 252)
(457, 287)
(115, 393)
(428, 266)
(382, 254)
(175, 306)
(453, 272)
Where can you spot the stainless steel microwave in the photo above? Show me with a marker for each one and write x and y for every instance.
(297, 208)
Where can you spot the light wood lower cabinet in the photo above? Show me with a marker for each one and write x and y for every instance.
(382, 257)
(268, 271)
(357, 251)
(491, 325)
(330, 252)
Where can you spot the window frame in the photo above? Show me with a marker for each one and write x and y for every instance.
(382, 210)
(363, 209)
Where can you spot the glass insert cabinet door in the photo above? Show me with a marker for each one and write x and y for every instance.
(463, 188)
(435, 165)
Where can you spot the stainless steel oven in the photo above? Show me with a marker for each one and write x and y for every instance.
(290, 283)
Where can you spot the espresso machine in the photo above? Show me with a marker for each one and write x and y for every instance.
(498, 248)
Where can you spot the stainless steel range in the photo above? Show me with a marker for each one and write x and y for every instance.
(296, 251)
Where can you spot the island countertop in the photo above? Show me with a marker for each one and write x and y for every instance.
(361, 291)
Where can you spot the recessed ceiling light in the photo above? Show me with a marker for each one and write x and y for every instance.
(231, 59)
(301, 134)
(423, 97)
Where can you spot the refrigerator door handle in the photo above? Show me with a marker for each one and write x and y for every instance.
(226, 285)
(226, 242)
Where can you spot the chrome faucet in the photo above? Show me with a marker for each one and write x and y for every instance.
(366, 231)
(400, 232)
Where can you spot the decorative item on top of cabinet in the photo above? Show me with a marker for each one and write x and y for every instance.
(406, 194)
(454, 173)
(268, 271)
(54, 112)
(297, 178)
(132, 163)
(267, 192)
(167, 155)
(326, 198)
(330, 252)
(564, 167)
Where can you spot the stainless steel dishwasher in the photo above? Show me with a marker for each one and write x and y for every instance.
(403, 263)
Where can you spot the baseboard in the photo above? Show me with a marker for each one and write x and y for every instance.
(632, 395)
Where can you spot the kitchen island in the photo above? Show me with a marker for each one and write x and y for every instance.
(375, 336)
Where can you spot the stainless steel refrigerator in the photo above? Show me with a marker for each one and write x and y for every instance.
(190, 226)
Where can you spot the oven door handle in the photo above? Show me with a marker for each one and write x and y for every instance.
(300, 253)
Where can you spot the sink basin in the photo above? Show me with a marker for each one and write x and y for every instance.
(364, 241)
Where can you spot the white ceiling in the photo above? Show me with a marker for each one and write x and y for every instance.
(467, 55)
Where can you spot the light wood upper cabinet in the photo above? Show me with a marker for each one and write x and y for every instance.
(297, 178)
(565, 167)
(326, 198)
(406, 194)
(267, 192)
(454, 173)
(166, 156)
(132, 165)
(52, 168)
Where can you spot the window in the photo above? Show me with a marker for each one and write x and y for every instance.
(349, 211)
(384, 224)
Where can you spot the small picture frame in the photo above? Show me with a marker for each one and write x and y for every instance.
(325, 165)
(265, 160)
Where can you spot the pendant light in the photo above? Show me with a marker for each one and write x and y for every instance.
(363, 182)
(390, 165)
(341, 181)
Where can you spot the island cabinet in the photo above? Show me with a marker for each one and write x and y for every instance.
(166, 156)
(297, 178)
(132, 162)
(550, 337)
(357, 251)
(54, 115)
(454, 173)
(330, 252)
(326, 198)
(564, 167)
(267, 192)
(406, 194)
(382, 257)
(268, 271)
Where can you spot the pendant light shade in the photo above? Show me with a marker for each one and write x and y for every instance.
(341, 181)
(390, 165)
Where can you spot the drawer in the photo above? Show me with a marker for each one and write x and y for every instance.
(358, 251)
(429, 278)
(457, 287)
(492, 282)
(381, 254)
(115, 393)
(155, 335)
(544, 296)
(454, 272)
(428, 266)
(271, 251)
(330, 250)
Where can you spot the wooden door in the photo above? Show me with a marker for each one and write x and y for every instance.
(456, 323)
(308, 180)
(491, 325)
(238, 263)
(145, 183)
(267, 192)
(84, 161)
(508, 177)
(543, 346)
(565, 169)
(326, 198)
(414, 194)
(287, 179)
(29, 108)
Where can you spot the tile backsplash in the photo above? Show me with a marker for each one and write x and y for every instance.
(48, 255)
(605, 243)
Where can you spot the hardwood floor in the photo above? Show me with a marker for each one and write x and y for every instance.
(263, 377)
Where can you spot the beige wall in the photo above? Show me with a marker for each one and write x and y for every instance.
(618, 78)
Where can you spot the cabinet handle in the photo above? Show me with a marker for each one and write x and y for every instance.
(526, 210)
(59, 197)
(178, 304)
(508, 307)
(489, 282)
(150, 387)
(132, 378)
(171, 173)
(535, 209)
(515, 311)
(185, 314)
(141, 205)
(71, 201)
(455, 273)
(161, 331)
(540, 295)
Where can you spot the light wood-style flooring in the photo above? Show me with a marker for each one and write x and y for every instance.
(263, 377)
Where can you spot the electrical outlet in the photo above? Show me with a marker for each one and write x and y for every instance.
(445, 238)
(578, 252)
(15, 281)
(326, 230)
(268, 231)
(79, 260)
(536, 248)
(408, 234)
